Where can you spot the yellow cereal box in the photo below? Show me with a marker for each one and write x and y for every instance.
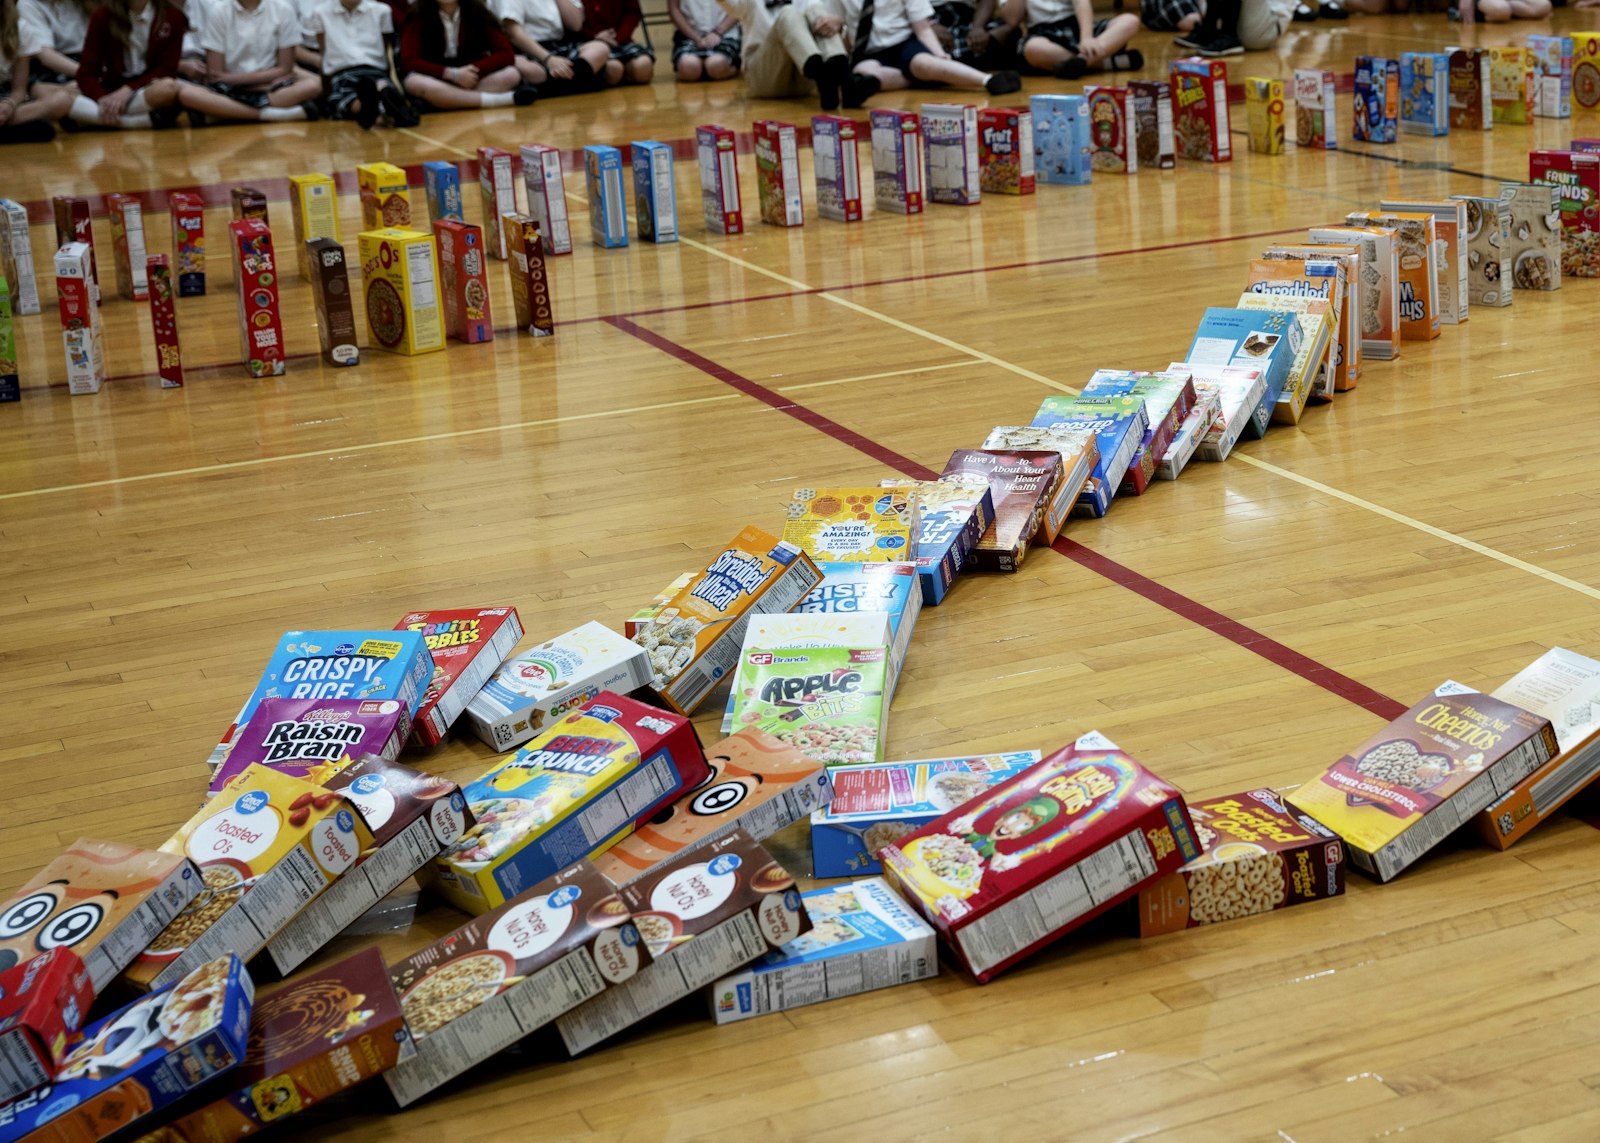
(385, 196)
(400, 274)
(1417, 254)
(846, 525)
(1264, 108)
(1511, 84)
(314, 209)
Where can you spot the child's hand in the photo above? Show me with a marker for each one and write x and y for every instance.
(1092, 50)
(709, 40)
(832, 25)
(111, 106)
(8, 108)
(941, 54)
(466, 77)
(558, 66)
(978, 39)
(192, 69)
(609, 36)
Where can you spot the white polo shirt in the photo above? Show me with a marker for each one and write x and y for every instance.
(704, 14)
(1053, 12)
(352, 37)
(541, 19)
(452, 33)
(58, 24)
(250, 40)
(891, 21)
(133, 60)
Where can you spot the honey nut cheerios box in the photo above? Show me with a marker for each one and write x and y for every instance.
(385, 196)
(838, 525)
(43, 1000)
(1408, 787)
(1417, 257)
(1585, 71)
(400, 277)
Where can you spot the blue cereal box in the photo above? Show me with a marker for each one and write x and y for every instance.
(1119, 424)
(1254, 339)
(1425, 93)
(863, 937)
(1062, 140)
(1552, 76)
(955, 513)
(891, 588)
(442, 182)
(655, 197)
(1377, 100)
(608, 217)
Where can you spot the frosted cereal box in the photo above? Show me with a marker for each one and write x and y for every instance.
(188, 242)
(1150, 112)
(311, 738)
(80, 319)
(400, 273)
(1118, 424)
(1264, 115)
(655, 193)
(441, 183)
(1586, 70)
(466, 646)
(836, 163)
(1417, 256)
(1167, 400)
(1552, 76)
(530, 277)
(314, 213)
(249, 202)
(1488, 244)
(42, 1001)
(1450, 231)
(16, 257)
(1111, 130)
(1021, 484)
(778, 173)
(1315, 102)
(867, 588)
(1425, 93)
(127, 245)
(256, 273)
(1511, 84)
(497, 184)
(464, 278)
(955, 512)
(808, 629)
(10, 383)
(842, 524)
(608, 216)
(1005, 150)
(830, 703)
(1200, 109)
(1377, 100)
(1576, 175)
(1470, 91)
(950, 149)
(1061, 139)
(330, 294)
(74, 224)
(385, 196)
(1078, 449)
(719, 180)
(1380, 284)
(546, 193)
(1534, 251)
(897, 160)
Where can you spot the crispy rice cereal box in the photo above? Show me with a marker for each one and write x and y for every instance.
(955, 512)
(441, 182)
(1552, 76)
(646, 615)
(1534, 253)
(1061, 139)
(856, 588)
(127, 245)
(655, 194)
(1191, 434)
(1470, 90)
(248, 202)
(1267, 340)
(1450, 229)
(16, 257)
(1021, 484)
(80, 318)
(1511, 84)
(807, 629)
(188, 242)
(1586, 70)
(314, 213)
(10, 383)
(897, 160)
(73, 224)
(863, 937)
(330, 294)
(1005, 150)
(1200, 109)
(497, 184)
(1417, 253)
(464, 278)
(573, 792)
(530, 278)
(1488, 242)
(719, 180)
(400, 276)
(42, 1002)
(1347, 329)
(1150, 110)
(843, 524)
(695, 642)
(830, 703)
(1377, 100)
(1317, 280)
(950, 149)
(256, 272)
(140, 1059)
(1315, 118)
(1031, 859)
(716, 908)
(1425, 93)
(1380, 284)
(466, 646)
(311, 738)
(778, 173)
(1408, 787)
(836, 164)
(164, 321)
(1310, 368)
(608, 214)
(1239, 392)
(546, 193)
(1119, 423)
(504, 974)
(1256, 855)
(1577, 175)
(1078, 448)
(1112, 129)
(385, 196)
(1264, 114)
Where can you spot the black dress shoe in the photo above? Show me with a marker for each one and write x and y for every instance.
(1304, 14)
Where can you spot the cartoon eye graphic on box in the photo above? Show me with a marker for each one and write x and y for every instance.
(48, 918)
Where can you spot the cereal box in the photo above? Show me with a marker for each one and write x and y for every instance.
(897, 160)
(10, 383)
(719, 180)
(546, 193)
(248, 202)
(42, 1001)
(1470, 91)
(266, 845)
(400, 275)
(1239, 392)
(330, 294)
(807, 629)
(385, 196)
(853, 588)
(1020, 484)
(950, 150)
(879, 803)
(1534, 253)
(1552, 76)
(655, 195)
(497, 183)
(1266, 340)
(140, 1059)
(1590, 146)
(530, 278)
(1488, 243)
(863, 937)
(1119, 423)
(1377, 100)
(310, 738)
(314, 211)
(16, 257)
(73, 224)
(463, 276)
(1200, 109)
(836, 163)
(1511, 84)
(1380, 284)
(1191, 435)
(695, 642)
(1310, 368)
(579, 787)
(1167, 400)
(164, 321)
(842, 524)
(1062, 141)
(188, 242)
(716, 908)
(778, 173)
(1347, 329)
(1425, 93)
(535, 687)
(1577, 175)
(1264, 115)
(1034, 857)
(441, 182)
(1586, 70)
(127, 245)
(1315, 118)
(1450, 230)
(830, 703)
(466, 646)
(646, 615)
(758, 785)
(1079, 450)
(1150, 112)
(80, 318)
(1112, 130)
(509, 972)
(1256, 855)
(256, 273)
(1312, 280)
(955, 512)
(1005, 150)
(608, 216)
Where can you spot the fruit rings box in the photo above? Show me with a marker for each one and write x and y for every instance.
(842, 524)
(719, 906)
(1119, 425)
(573, 792)
(497, 184)
(798, 629)
(466, 646)
(1577, 175)
(188, 242)
(1533, 254)
(1250, 339)
(778, 174)
(140, 1059)
(42, 1001)
(255, 275)
(896, 160)
(413, 816)
(1377, 100)
(955, 513)
(1005, 150)
(16, 257)
(1034, 857)
(400, 277)
(1061, 139)
(836, 163)
(313, 213)
(127, 245)
(103, 900)
(1471, 104)
(509, 972)
(307, 738)
(324, 265)
(1078, 448)
(851, 588)
(385, 196)
(882, 802)
(1200, 109)
(950, 149)
(266, 845)
(546, 195)
(1256, 856)
(828, 702)
(1450, 230)
(1405, 789)
(863, 937)
(1021, 484)
(655, 197)
(1552, 76)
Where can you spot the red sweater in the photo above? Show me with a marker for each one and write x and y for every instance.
(101, 71)
(422, 48)
(620, 15)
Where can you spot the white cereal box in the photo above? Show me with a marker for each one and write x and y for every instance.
(547, 195)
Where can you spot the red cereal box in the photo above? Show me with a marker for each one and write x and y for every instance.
(248, 202)
(73, 225)
(1577, 174)
(1005, 150)
(530, 281)
(127, 245)
(1200, 109)
(188, 242)
(464, 278)
(497, 181)
(43, 1000)
(80, 318)
(467, 647)
(547, 195)
(719, 180)
(1112, 135)
(164, 321)
(778, 173)
(256, 276)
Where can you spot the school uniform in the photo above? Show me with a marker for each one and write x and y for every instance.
(890, 40)
(57, 24)
(541, 19)
(1057, 21)
(452, 43)
(705, 14)
(622, 16)
(249, 40)
(154, 47)
(354, 48)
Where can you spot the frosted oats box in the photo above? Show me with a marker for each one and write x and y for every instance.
(879, 803)
(950, 150)
(955, 513)
(1450, 230)
(1552, 76)
(256, 273)
(385, 196)
(863, 937)
(1264, 115)
(311, 738)
(855, 588)
(715, 909)
(1005, 150)
(497, 185)
(464, 278)
(1417, 257)
(330, 294)
(1020, 484)
(164, 321)
(807, 629)
(81, 338)
(1534, 252)
(400, 277)
(608, 216)
(1425, 93)
(16, 257)
(546, 193)
(1061, 139)
(1256, 856)
(1407, 788)
(896, 160)
(579, 787)
(830, 703)
(530, 279)
(1200, 109)
(1470, 93)
(1316, 118)
(1167, 399)
(73, 224)
(1191, 435)
(1511, 84)
(441, 183)
(1488, 242)
(1239, 392)
(248, 202)
(10, 383)
(655, 193)
(778, 173)
(1577, 177)
(1118, 423)
(1379, 275)
(842, 524)
(1079, 450)
(1150, 113)
(42, 1001)
(1586, 70)
(836, 163)
(1310, 367)
(1041, 853)
(720, 204)
(127, 245)
(1112, 129)
(509, 972)
(1377, 100)
(188, 242)
(646, 615)
(313, 212)
(467, 645)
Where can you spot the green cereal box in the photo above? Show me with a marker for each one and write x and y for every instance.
(10, 386)
(827, 702)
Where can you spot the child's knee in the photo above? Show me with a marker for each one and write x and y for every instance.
(1040, 52)
(161, 92)
(719, 66)
(641, 69)
(613, 71)
(688, 68)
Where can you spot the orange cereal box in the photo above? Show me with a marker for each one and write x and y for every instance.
(530, 280)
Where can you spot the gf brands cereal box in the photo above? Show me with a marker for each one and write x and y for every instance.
(248, 202)
(1425, 93)
(1191, 434)
(497, 183)
(1150, 112)
(42, 1002)
(530, 280)
(719, 180)
(1112, 130)
(188, 242)
(1118, 423)
(1488, 242)
(716, 908)
(311, 738)
(1380, 284)
(140, 1059)
(1577, 176)
(512, 970)
(256, 273)
(400, 273)
(863, 937)
(879, 803)
(1315, 102)
(866, 588)
(103, 900)
(10, 383)
(1408, 787)
(546, 193)
(950, 150)
(1534, 254)
(836, 163)
(842, 524)
(73, 224)
(695, 642)
(1240, 392)
(810, 629)
(16, 257)
(1511, 84)
(646, 615)
(655, 193)
(1020, 484)
(127, 245)
(441, 182)
(896, 160)
(1078, 448)
(466, 646)
(608, 213)
(1039, 854)
(1586, 70)
(1310, 368)
(1552, 76)
(955, 513)
(1256, 855)
(538, 685)
(266, 845)
(1062, 142)
(1264, 115)
(1450, 229)
(314, 212)
(1471, 98)
(830, 703)
(464, 277)
(1252, 339)
(1005, 150)
(80, 318)
(778, 174)
(758, 785)
(1377, 100)
(164, 321)
(1200, 109)
(385, 196)
(330, 293)
(573, 792)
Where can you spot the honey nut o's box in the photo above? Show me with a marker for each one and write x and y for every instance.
(42, 1002)
(1408, 787)
(467, 646)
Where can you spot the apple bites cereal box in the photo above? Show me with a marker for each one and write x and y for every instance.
(1377, 100)
(1078, 449)
(1511, 84)
(81, 337)
(807, 629)
(330, 294)
(497, 184)
(1488, 244)
(1380, 284)
(647, 614)
(854, 588)
(1405, 789)
(1200, 109)
(1471, 101)
(718, 907)
(10, 383)
(1020, 484)
(127, 245)
(73, 224)
(509, 972)
(1062, 141)
(1005, 150)
(1112, 130)
(655, 193)
(1577, 176)
(1240, 393)
(1534, 254)
(579, 787)
(530, 278)
(778, 173)
(1191, 434)
(467, 646)
(694, 643)
(314, 213)
(441, 183)
(1552, 76)
(896, 160)
(43, 1000)
(719, 180)
(385, 196)
(1029, 860)
(1585, 70)
(950, 150)
(1118, 423)
(1425, 93)
(1264, 115)
(842, 524)
(164, 321)
(1267, 341)
(1150, 116)
(1310, 368)
(956, 511)
(836, 164)
(248, 202)
(16, 257)
(608, 216)
(188, 242)
(311, 738)
(400, 275)
(1315, 109)
(546, 193)
(256, 281)
(464, 277)
(830, 703)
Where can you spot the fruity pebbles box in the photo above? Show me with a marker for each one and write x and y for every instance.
(955, 512)
(466, 647)
(307, 738)
(827, 702)
(42, 1002)
(838, 525)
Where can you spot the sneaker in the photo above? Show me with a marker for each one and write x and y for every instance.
(1073, 67)
(1225, 44)
(33, 131)
(398, 108)
(312, 110)
(860, 89)
(196, 118)
(1333, 10)
(367, 96)
(1128, 59)
(1190, 40)
(524, 95)
(1003, 83)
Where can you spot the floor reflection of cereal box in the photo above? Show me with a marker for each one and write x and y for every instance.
(1470, 90)
(330, 295)
(10, 383)
(313, 212)
(1407, 787)
(1577, 176)
(1005, 150)
(42, 1002)
(1379, 284)
(728, 901)
(1377, 100)
(164, 321)
(655, 195)
(188, 242)
(720, 204)
(467, 645)
(1113, 129)
(1488, 243)
(530, 276)
(1585, 70)
(1020, 484)
(829, 702)
(810, 629)
(310, 738)
(74, 224)
(608, 216)
(876, 804)
(955, 513)
(255, 275)
(1256, 855)
(1119, 423)
(385, 196)
(509, 972)
(950, 150)
(1425, 93)
(836, 162)
(778, 173)
(81, 336)
(16, 257)
(441, 183)
(248, 202)
(855, 588)
(1552, 76)
(1250, 339)
(1078, 448)
(1075, 834)
(1264, 115)
(497, 184)
(843, 524)
(127, 245)
(546, 192)
(1239, 393)
(1200, 109)
(142, 1058)
(1191, 434)
(1533, 254)
(1061, 139)
(1450, 228)
(896, 160)
(1312, 367)
(400, 274)
(1316, 116)
(1511, 84)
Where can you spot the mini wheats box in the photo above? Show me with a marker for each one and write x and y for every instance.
(778, 174)
(1200, 110)
(836, 161)
(1377, 100)
(497, 183)
(655, 194)
(188, 242)
(950, 149)
(719, 180)
(464, 277)
(1005, 150)
(127, 245)
(255, 271)
(608, 214)
(400, 272)
(546, 193)
(897, 160)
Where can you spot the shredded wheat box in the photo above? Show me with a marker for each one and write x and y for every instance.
(441, 182)
(778, 174)
(1315, 117)
(1577, 175)
(1079, 450)
(807, 629)
(1425, 93)
(1450, 230)
(1470, 91)
(464, 278)
(1310, 362)
(655, 194)
(310, 738)
(1380, 284)
(1534, 252)
(1347, 330)
(497, 186)
(1511, 84)
(42, 1001)
(836, 162)
(256, 273)
(1316, 280)
(313, 212)
(955, 513)
(546, 193)
(1061, 139)
(1377, 100)
(1150, 109)
(330, 294)
(1112, 129)
(16, 257)
(897, 160)
(838, 525)
(1005, 150)
(1488, 245)
(467, 646)
(1264, 115)
(608, 214)
(1552, 76)
(720, 204)
(1021, 484)
(1200, 109)
(385, 196)
(127, 245)
(1119, 424)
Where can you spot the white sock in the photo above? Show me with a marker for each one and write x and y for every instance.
(282, 114)
(84, 110)
(496, 99)
(135, 121)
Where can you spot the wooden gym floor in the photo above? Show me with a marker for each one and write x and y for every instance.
(1241, 627)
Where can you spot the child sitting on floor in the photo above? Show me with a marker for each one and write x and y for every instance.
(453, 55)
(250, 65)
(1055, 43)
(130, 62)
(551, 54)
(789, 47)
(895, 46)
(353, 40)
(705, 41)
(25, 119)
(613, 22)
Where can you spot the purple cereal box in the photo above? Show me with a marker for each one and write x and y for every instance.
(296, 736)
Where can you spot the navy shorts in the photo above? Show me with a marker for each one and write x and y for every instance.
(900, 55)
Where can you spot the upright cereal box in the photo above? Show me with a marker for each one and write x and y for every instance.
(1264, 115)
(837, 525)
(1061, 139)
(955, 513)
(385, 196)
(1111, 130)
(80, 319)
(164, 321)
(897, 161)
(719, 180)
(1488, 245)
(10, 383)
(127, 245)
(467, 646)
(441, 182)
(330, 294)
(608, 216)
(1425, 93)
(1511, 84)
(1417, 254)
(400, 272)
(16, 257)
(1005, 150)
(778, 173)
(188, 242)
(1200, 109)
(530, 279)
(1450, 228)
(1380, 284)
(1150, 111)
(73, 224)
(497, 183)
(463, 275)
(950, 150)
(314, 211)
(655, 194)
(1586, 71)
(256, 273)
(1577, 175)
(1377, 100)
(1315, 102)
(1534, 252)
(249, 202)
(1471, 98)
(1552, 76)
(546, 192)
(836, 162)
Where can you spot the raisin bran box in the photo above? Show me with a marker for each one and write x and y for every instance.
(1266, 340)
(330, 294)
(546, 193)
(313, 212)
(1417, 257)
(1488, 243)
(1112, 129)
(1552, 76)
(805, 629)
(1471, 102)
(719, 180)
(1586, 70)
(467, 646)
(530, 281)
(1424, 93)
(504, 974)
(464, 278)
(188, 242)
(1119, 424)
(1408, 787)
(400, 277)
(830, 703)
(1078, 448)
(309, 738)
(1256, 855)
(836, 163)
(1200, 109)
(716, 908)
(1450, 229)
(42, 1001)
(385, 196)
(573, 792)
(1577, 176)
(16, 257)
(164, 321)
(608, 214)
(950, 150)
(1061, 139)
(1511, 84)
(256, 273)
(655, 193)
(1377, 100)
(1534, 251)
(248, 202)
(74, 224)
(441, 182)
(955, 512)
(778, 173)
(1264, 115)
(837, 525)
(855, 588)
(1316, 104)
(1005, 150)
(896, 160)
(1029, 860)
(1020, 484)
(127, 245)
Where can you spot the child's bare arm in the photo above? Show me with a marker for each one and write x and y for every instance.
(524, 43)
(923, 30)
(681, 22)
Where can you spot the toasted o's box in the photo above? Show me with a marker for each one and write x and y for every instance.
(1315, 109)
(1577, 176)
(1380, 291)
(1264, 115)
(103, 900)
(863, 937)
(955, 511)
(497, 183)
(16, 257)
(950, 149)
(838, 525)
(1061, 139)
(1425, 93)
(530, 281)
(778, 173)
(1534, 251)
(655, 197)
(464, 278)
(127, 245)
(1150, 109)
(188, 241)
(798, 629)
(1239, 392)
(1471, 102)
(836, 164)
(42, 1001)
(1408, 787)
(308, 738)
(1200, 109)
(1346, 338)
(1119, 423)
(314, 213)
(1005, 150)
(1511, 84)
(323, 263)
(608, 214)
(1450, 228)
(1312, 366)
(1021, 484)
(1078, 448)
(1552, 76)
(1034, 857)
(850, 588)
(717, 907)
(466, 646)
(441, 182)
(400, 276)
(830, 702)
(255, 275)
(1417, 256)
(510, 971)
(1377, 100)
(546, 194)
(646, 615)
(1192, 434)
(1487, 250)
(1113, 129)
(896, 160)
(385, 196)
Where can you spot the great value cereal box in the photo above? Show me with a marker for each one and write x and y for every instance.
(1586, 70)
(897, 160)
(188, 242)
(1417, 257)
(400, 274)
(955, 513)
(76, 302)
(1119, 424)
(530, 279)
(1488, 243)
(1310, 369)
(855, 588)
(1200, 109)
(1239, 392)
(1078, 449)
(127, 245)
(1425, 93)
(466, 645)
(1511, 84)
(546, 193)
(655, 194)
(842, 524)
(1576, 174)
(16, 257)
(1005, 150)
(1191, 435)
(1150, 110)
(42, 1001)
(256, 273)
(313, 212)
(1264, 115)
(805, 629)
(330, 294)
(836, 164)
(441, 182)
(385, 196)
(1112, 130)
(1256, 339)
(1408, 787)
(608, 214)
(1471, 91)
(464, 278)
(719, 180)
(1552, 76)
(1380, 284)
(1534, 252)
(1315, 118)
(1450, 229)
(1020, 484)
(249, 202)
(310, 738)
(74, 224)
(1377, 100)
(1061, 139)
(778, 173)
(830, 703)
(950, 149)
(497, 187)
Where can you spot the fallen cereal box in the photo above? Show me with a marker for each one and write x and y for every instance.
(1450, 228)
(16, 257)
(719, 180)
(950, 150)
(800, 629)
(330, 294)
(836, 163)
(1425, 93)
(1267, 340)
(1552, 76)
(1239, 392)
(896, 160)
(1534, 252)
(463, 275)
(441, 182)
(466, 646)
(655, 195)
(1417, 256)
(842, 524)
(1112, 130)
(1315, 118)
(164, 321)
(188, 242)
(855, 587)
(1167, 398)
(1079, 450)
(127, 245)
(385, 196)
(1488, 244)
(1471, 98)
(1191, 435)
(1511, 84)
(1200, 109)
(1310, 368)
(778, 173)
(546, 193)
(313, 212)
(1020, 484)
(400, 276)
(1345, 288)
(1005, 150)
(1377, 100)
(1061, 139)
(1264, 115)
(1577, 176)
(497, 184)
(1150, 112)
(42, 1001)
(1119, 424)
(608, 216)
(830, 703)
(956, 511)
(310, 738)
(256, 274)
(530, 281)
